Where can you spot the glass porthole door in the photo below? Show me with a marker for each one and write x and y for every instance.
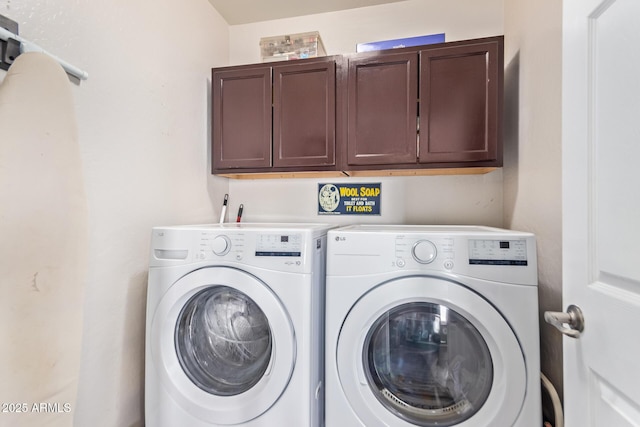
(427, 364)
(223, 344)
(423, 351)
(223, 341)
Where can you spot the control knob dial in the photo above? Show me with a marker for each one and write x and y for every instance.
(424, 251)
(221, 245)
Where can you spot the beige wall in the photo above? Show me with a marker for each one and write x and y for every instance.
(143, 132)
(341, 31)
(532, 170)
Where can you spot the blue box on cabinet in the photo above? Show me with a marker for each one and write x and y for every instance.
(398, 43)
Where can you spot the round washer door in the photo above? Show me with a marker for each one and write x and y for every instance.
(223, 345)
(427, 351)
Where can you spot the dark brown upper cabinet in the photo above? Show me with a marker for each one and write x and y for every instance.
(241, 130)
(304, 114)
(399, 111)
(461, 103)
(427, 107)
(274, 117)
(382, 109)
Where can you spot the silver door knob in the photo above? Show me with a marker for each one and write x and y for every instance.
(573, 319)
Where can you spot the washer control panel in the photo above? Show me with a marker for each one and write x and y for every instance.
(266, 245)
(293, 248)
(279, 245)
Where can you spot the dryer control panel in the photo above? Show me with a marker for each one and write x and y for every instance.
(481, 252)
(497, 252)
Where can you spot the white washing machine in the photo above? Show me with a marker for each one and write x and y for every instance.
(235, 325)
(432, 326)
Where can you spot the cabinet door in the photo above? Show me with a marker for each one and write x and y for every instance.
(461, 103)
(304, 114)
(241, 122)
(382, 109)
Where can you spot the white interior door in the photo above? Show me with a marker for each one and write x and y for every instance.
(601, 210)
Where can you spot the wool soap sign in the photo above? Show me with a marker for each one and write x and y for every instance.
(349, 199)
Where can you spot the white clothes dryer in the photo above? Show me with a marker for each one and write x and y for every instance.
(234, 331)
(432, 326)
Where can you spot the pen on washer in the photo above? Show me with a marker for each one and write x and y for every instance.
(240, 212)
(224, 208)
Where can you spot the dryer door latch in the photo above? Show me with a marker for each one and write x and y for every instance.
(573, 319)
